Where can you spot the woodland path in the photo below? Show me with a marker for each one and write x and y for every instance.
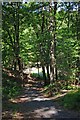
(32, 104)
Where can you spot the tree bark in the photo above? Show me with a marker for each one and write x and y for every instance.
(53, 69)
(38, 67)
(41, 49)
(48, 75)
(44, 75)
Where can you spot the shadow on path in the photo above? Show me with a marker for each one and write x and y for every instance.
(32, 104)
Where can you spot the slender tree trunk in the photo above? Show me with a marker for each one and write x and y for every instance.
(53, 69)
(44, 74)
(42, 49)
(55, 66)
(48, 75)
(17, 36)
(15, 65)
(68, 56)
(17, 45)
(38, 68)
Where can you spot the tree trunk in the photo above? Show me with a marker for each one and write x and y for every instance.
(53, 69)
(48, 75)
(17, 36)
(42, 49)
(38, 68)
(15, 65)
(44, 75)
(17, 47)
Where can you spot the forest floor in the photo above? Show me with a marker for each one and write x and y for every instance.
(33, 104)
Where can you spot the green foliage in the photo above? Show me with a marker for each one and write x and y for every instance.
(11, 88)
(58, 86)
(33, 44)
(10, 91)
(52, 88)
(35, 75)
(71, 100)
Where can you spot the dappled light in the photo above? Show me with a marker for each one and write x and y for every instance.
(41, 60)
(32, 103)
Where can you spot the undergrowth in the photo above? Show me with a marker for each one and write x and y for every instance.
(56, 87)
(71, 100)
(36, 75)
(10, 87)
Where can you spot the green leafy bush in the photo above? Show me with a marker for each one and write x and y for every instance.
(11, 90)
(71, 100)
(10, 87)
(53, 88)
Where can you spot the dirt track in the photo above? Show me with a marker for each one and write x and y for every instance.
(32, 104)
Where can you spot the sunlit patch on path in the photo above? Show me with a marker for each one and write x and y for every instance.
(33, 104)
